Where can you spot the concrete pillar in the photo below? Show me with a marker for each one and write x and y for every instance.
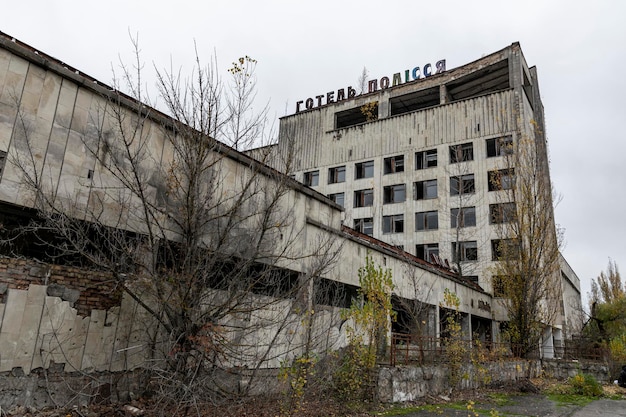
(547, 344)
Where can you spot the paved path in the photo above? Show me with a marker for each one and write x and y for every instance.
(535, 406)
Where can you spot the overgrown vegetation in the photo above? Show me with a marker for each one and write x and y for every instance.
(369, 320)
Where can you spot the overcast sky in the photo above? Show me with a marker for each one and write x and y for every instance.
(309, 48)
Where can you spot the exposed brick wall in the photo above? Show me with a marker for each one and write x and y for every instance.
(86, 289)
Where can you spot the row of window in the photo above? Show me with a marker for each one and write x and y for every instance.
(429, 220)
(423, 160)
(466, 251)
(425, 190)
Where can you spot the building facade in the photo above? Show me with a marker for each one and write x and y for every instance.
(423, 162)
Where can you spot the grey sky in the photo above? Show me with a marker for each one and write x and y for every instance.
(309, 48)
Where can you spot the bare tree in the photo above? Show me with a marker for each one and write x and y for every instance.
(362, 81)
(207, 240)
(527, 271)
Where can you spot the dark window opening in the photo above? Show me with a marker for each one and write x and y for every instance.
(503, 179)
(464, 251)
(463, 184)
(336, 175)
(484, 81)
(426, 159)
(338, 198)
(463, 217)
(504, 249)
(499, 146)
(393, 224)
(502, 213)
(425, 190)
(414, 101)
(366, 113)
(312, 178)
(364, 170)
(365, 226)
(394, 194)
(426, 251)
(334, 294)
(394, 164)
(364, 198)
(461, 153)
(426, 220)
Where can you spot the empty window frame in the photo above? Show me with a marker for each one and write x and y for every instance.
(499, 146)
(365, 226)
(338, 198)
(425, 190)
(462, 184)
(312, 178)
(393, 164)
(502, 179)
(393, 224)
(364, 198)
(502, 213)
(504, 249)
(426, 159)
(426, 220)
(394, 194)
(364, 170)
(461, 153)
(3, 159)
(463, 217)
(465, 251)
(357, 115)
(426, 250)
(336, 174)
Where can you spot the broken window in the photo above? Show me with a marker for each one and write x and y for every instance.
(393, 224)
(503, 179)
(462, 184)
(461, 153)
(464, 251)
(365, 226)
(499, 146)
(337, 174)
(364, 170)
(338, 198)
(425, 190)
(364, 198)
(426, 159)
(426, 251)
(426, 220)
(462, 217)
(357, 115)
(312, 178)
(394, 194)
(502, 213)
(394, 164)
(504, 249)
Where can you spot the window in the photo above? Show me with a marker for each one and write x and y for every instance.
(364, 198)
(337, 174)
(461, 153)
(394, 194)
(425, 251)
(3, 159)
(394, 164)
(426, 220)
(338, 198)
(503, 179)
(502, 213)
(312, 178)
(464, 251)
(425, 190)
(357, 115)
(504, 249)
(463, 217)
(393, 224)
(462, 184)
(499, 146)
(426, 159)
(364, 170)
(365, 226)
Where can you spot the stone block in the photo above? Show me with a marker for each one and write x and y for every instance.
(15, 303)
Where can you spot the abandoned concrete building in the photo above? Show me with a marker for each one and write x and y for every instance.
(421, 160)
(58, 159)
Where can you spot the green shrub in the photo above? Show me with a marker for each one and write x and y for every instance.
(584, 384)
